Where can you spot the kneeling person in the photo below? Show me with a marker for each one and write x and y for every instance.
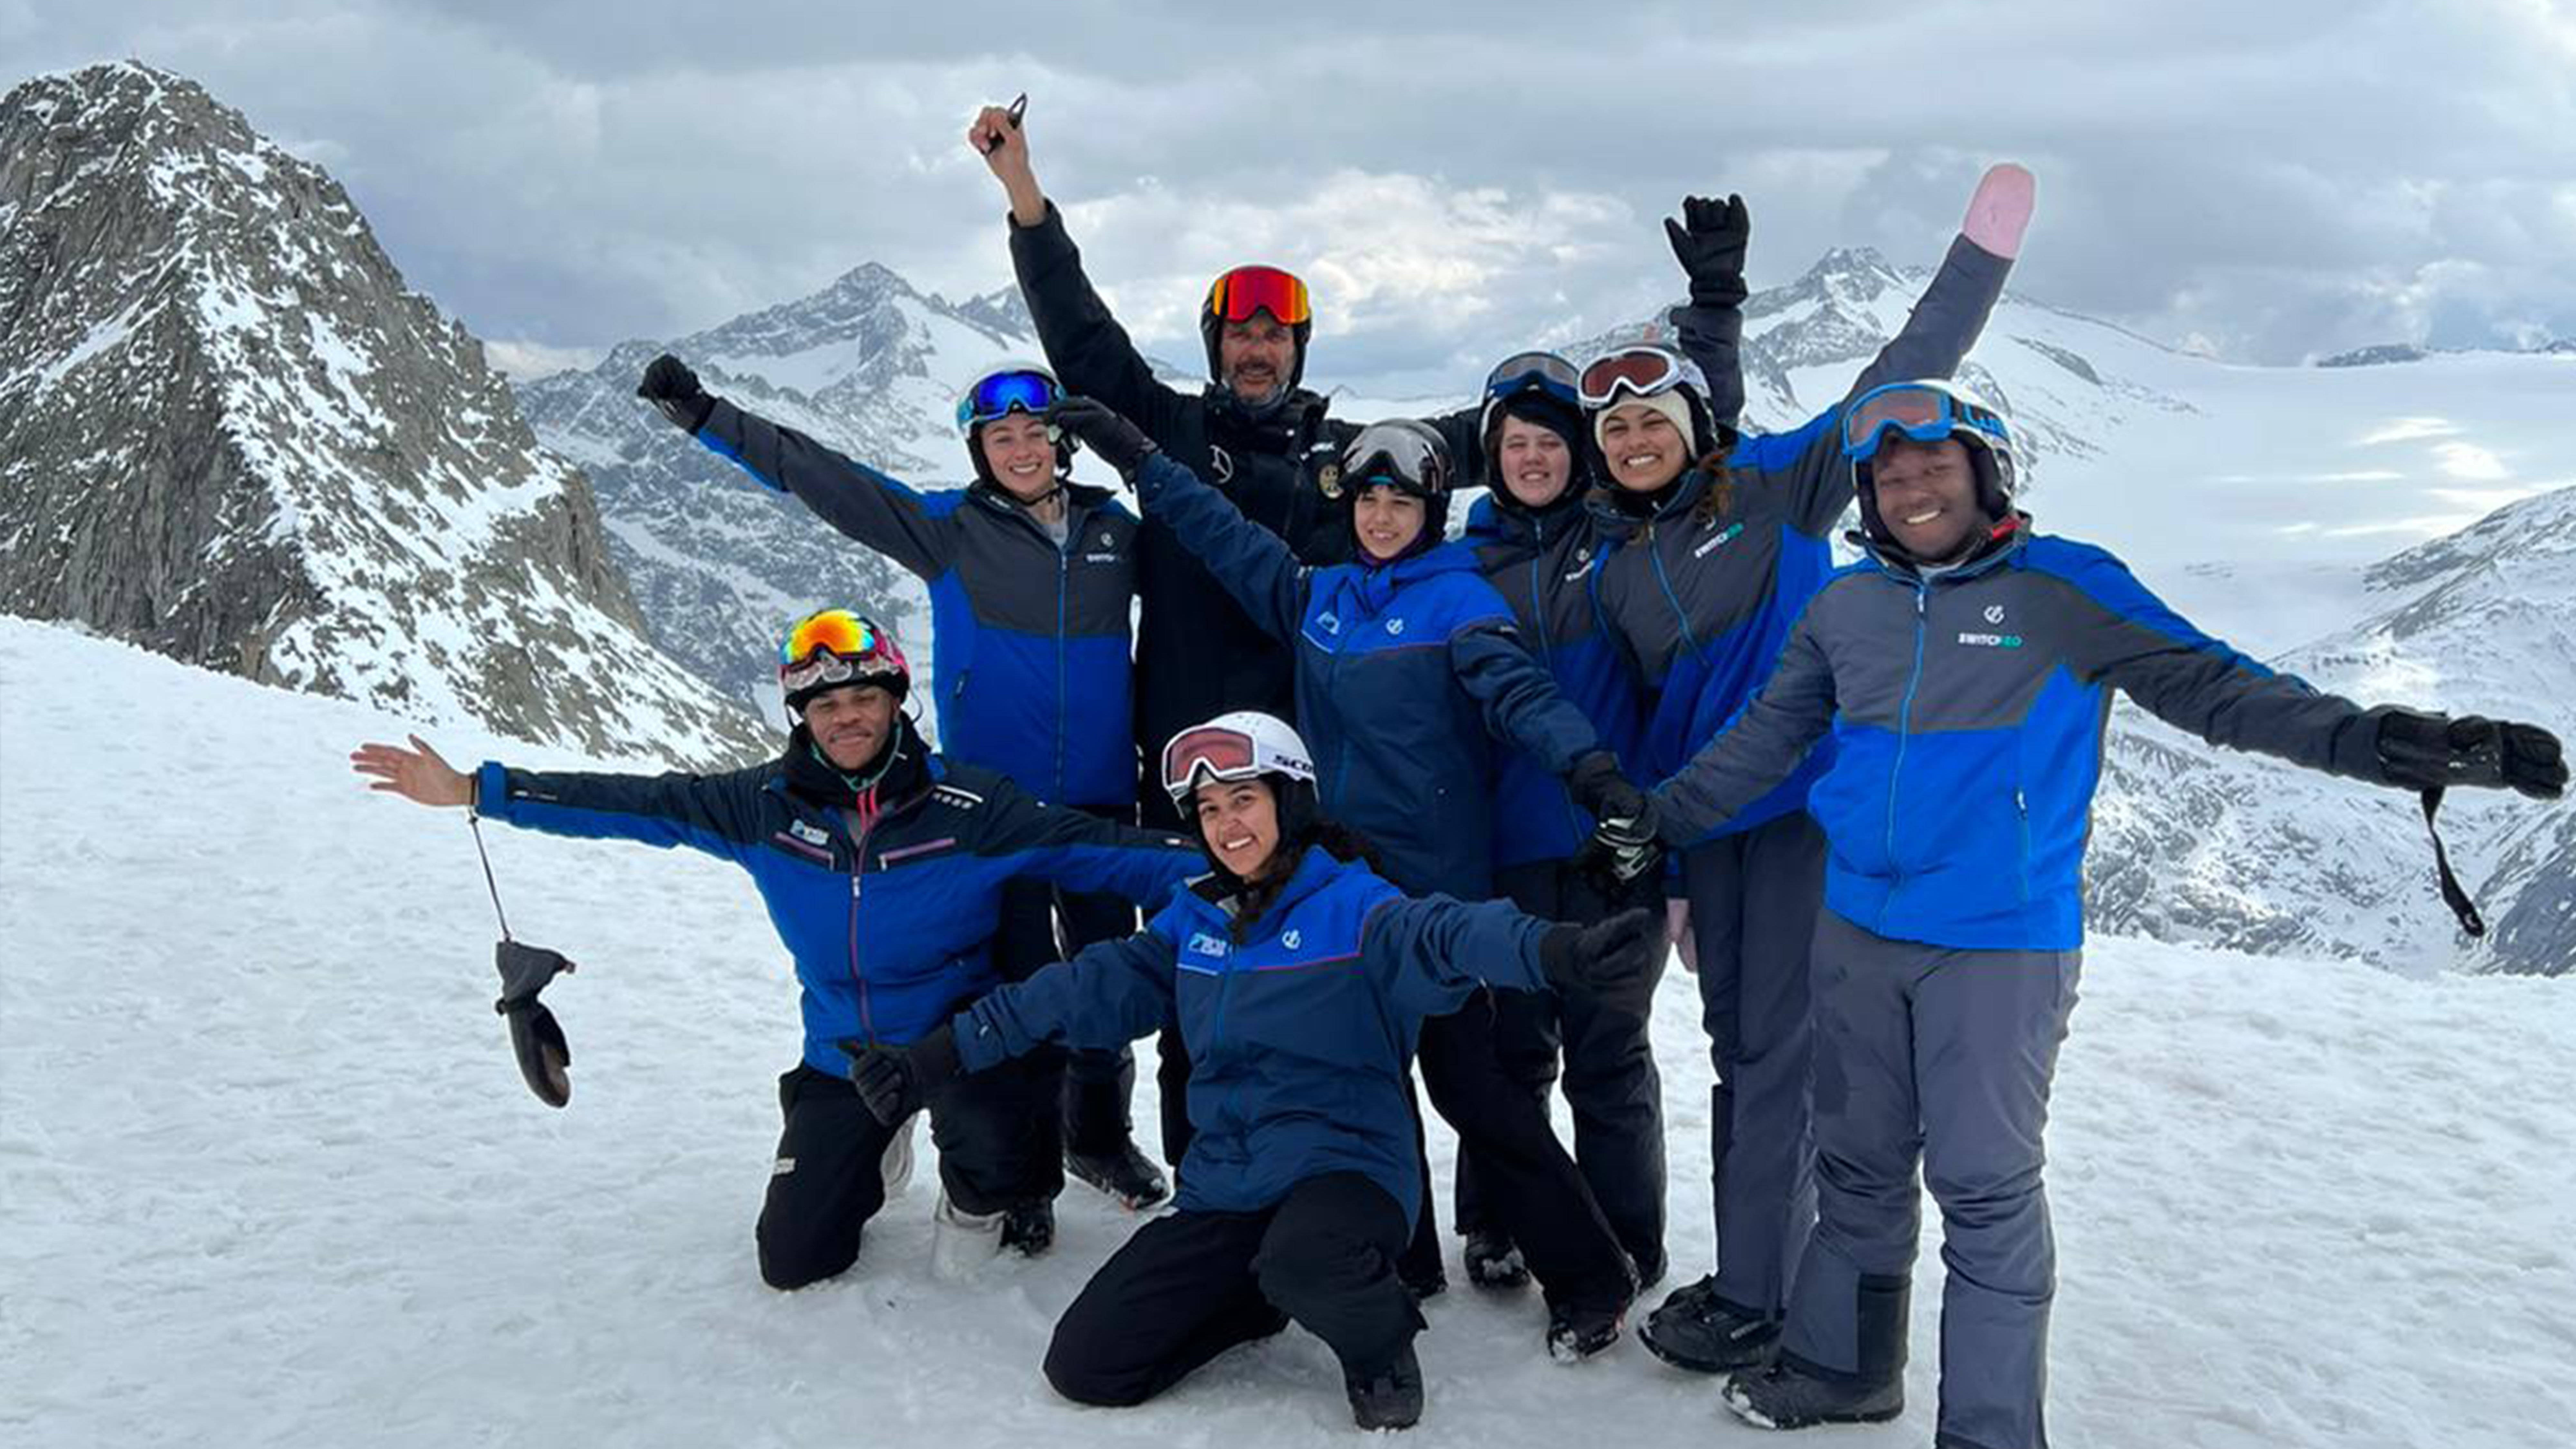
(1300, 980)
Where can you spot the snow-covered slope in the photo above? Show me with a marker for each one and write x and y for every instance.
(272, 1179)
(227, 431)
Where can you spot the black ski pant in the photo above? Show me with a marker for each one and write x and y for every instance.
(829, 1179)
(1041, 924)
(1192, 1284)
(1754, 898)
(1528, 1183)
(1611, 1083)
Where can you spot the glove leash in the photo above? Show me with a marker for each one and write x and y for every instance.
(474, 821)
(2453, 895)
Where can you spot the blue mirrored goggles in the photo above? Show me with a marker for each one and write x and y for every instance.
(1540, 371)
(993, 398)
(1924, 414)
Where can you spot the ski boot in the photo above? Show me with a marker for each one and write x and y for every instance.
(960, 1241)
(1388, 1398)
(1576, 1332)
(1786, 1397)
(1028, 1228)
(1697, 1330)
(1494, 1261)
(1126, 1174)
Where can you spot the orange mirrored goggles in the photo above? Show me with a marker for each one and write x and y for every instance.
(834, 647)
(1238, 294)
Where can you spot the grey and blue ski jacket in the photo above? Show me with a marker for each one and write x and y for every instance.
(1406, 673)
(1967, 711)
(1299, 1025)
(890, 919)
(1703, 595)
(1029, 638)
(1541, 562)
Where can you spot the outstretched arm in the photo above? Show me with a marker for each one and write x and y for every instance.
(919, 534)
(1520, 699)
(1106, 996)
(1431, 954)
(1082, 852)
(1757, 749)
(712, 813)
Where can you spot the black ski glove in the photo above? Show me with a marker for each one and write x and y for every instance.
(1611, 958)
(536, 1038)
(1119, 443)
(1710, 239)
(1604, 793)
(2433, 752)
(1623, 845)
(669, 385)
(894, 1081)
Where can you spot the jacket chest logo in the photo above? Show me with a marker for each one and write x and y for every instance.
(1220, 463)
(1395, 626)
(810, 834)
(1994, 613)
(1292, 940)
(1724, 535)
(1329, 623)
(1204, 944)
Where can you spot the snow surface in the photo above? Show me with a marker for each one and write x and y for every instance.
(271, 1178)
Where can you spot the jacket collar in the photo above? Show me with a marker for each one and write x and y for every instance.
(1316, 869)
(1494, 519)
(1999, 545)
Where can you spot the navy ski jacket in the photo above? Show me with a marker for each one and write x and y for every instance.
(1703, 593)
(890, 921)
(1968, 711)
(1299, 1025)
(1029, 638)
(1542, 563)
(1406, 674)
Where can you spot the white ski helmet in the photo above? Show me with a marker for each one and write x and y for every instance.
(1243, 745)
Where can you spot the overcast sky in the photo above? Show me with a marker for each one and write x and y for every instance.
(2265, 181)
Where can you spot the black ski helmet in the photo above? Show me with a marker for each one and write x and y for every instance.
(1240, 292)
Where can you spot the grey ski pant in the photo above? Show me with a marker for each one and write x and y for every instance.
(1941, 1059)
(1754, 899)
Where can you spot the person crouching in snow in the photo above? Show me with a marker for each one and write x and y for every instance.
(1300, 980)
(1964, 669)
(883, 866)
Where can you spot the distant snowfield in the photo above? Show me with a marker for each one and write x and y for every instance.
(271, 1177)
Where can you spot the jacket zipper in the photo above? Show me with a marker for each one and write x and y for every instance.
(1547, 659)
(858, 875)
(1904, 724)
(1063, 563)
(2021, 810)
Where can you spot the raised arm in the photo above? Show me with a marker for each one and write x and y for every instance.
(1709, 239)
(1757, 749)
(1090, 352)
(1807, 464)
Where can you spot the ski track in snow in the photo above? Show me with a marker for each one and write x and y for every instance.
(271, 1178)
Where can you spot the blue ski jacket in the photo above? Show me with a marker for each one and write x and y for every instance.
(1300, 1024)
(890, 919)
(1703, 592)
(1029, 637)
(1967, 711)
(1406, 673)
(1542, 563)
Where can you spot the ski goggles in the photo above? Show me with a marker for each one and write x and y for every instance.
(835, 647)
(1642, 371)
(1237, 294)
(1209, 752)
(1923, 413)
(1534, 371)
(1408, 459)
(993, 397)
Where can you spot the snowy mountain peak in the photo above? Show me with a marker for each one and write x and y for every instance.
(230, 433)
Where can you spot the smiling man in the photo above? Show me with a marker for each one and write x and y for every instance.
(1964, 669)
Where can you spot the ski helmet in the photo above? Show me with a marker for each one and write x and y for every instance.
(1001, 390)
(1237, 294)
(1409, 456)
(1543, 390)
(1645, 372)
(1245, 745)
(1927, 411)
(833, 647)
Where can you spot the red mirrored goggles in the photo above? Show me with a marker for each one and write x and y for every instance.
(1212, 752)
(835, 647)
(1640, 371)
(1238, 294)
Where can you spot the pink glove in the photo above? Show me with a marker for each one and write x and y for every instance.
(2000, 211)
(1677, 930)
